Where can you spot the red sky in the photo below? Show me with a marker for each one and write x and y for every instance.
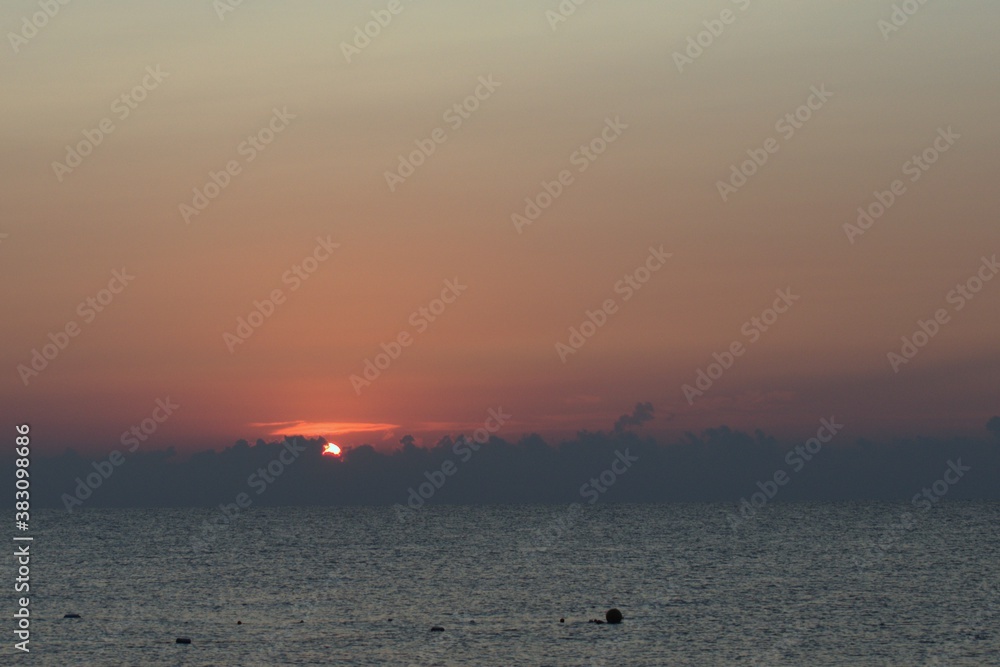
(185, 93)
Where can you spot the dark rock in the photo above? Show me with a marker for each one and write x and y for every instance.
(71, 616)
(437, 628)
(239, 622)
(562, 620)
(183, 640)
(613, 616)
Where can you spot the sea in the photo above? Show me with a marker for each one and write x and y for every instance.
(699, 584)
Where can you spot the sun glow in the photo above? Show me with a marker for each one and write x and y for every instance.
(331, 449)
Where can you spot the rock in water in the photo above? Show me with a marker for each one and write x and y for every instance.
(183, 640)
(437, 628)
(613, 616)
(71, 616)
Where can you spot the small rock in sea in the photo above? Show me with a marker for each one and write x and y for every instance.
(472, 622)
(239, 622)
(437, 628)
(183, 640)
(71, 616)
(301, 621)
(562, 620)
(390, 620)
(613, 616)
(596, 620)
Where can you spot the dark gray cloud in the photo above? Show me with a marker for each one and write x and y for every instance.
(642, 413)
(719, 464)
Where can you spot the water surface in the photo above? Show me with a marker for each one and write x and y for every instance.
(821, 584)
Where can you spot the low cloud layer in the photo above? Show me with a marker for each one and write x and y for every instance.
(642, 413)
(717, 465)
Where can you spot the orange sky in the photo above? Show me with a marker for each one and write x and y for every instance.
(197, 87)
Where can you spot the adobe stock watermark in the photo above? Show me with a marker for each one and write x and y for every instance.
(796, 459)
(121, 108)
(786, 126)
(87, 310)
(260, 481)
(248, 149)
(132, 438)
(591, 491)
(294, 277)
(31, 25)
(958, 298)
(464, 448)
(223, 7)
(581, 158)
(914, 168)
(627, 287)
(924, 500)
(563, 11)
(714, 28)
(364, 34)
(753, 329)
(420, 320)
(454, 116)
(900, 16)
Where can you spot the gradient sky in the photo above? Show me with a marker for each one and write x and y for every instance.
(324, 176)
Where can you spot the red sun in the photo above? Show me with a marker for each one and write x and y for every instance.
(331, 450)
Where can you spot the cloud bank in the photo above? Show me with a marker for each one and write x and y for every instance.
(717, 465)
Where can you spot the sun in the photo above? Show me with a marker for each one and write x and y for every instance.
(331, 449)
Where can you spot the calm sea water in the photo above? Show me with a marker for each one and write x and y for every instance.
(834, 584)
